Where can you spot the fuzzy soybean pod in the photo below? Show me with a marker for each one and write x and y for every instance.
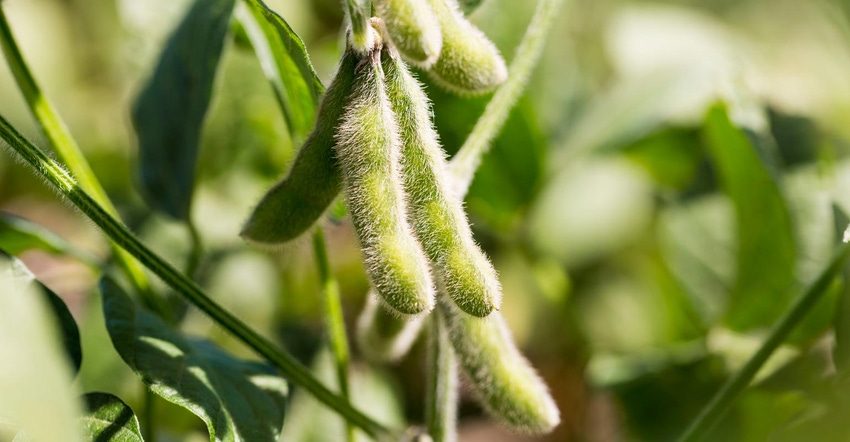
(436, 212)
(293, 205)
(502, 379)
(367, 149)
(469, 62)
(413, 29)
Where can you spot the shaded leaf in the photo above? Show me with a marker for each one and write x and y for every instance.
(798, 139)
(286, 64)
(170, 111)
(70, 334)
(766, 250)
(661, 419)
(238, 400)
(671, 155)
(109, 419)
(468, 6)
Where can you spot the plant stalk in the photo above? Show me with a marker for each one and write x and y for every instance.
(732, 389)
(441, 402)
(333, 318)
(67, 186)
(466, 161)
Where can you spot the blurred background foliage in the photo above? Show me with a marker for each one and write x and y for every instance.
(644, 244)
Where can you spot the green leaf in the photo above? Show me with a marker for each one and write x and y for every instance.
(671, 155)
(109, 419)
(287, 66)
(468, 6)
(841, 322)
(18, 235)
(766, 249)
(238, 400)
(169, 113)
(70, 334)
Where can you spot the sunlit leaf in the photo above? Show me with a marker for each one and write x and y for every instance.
(238, 400)
(286, 64)
(70, 334)
(766, 250)
(169, 113)
(109, 419)
(35, 377)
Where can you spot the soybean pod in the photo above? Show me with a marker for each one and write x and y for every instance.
(435, 211)
(469, 62)
(368, 148)
(501, 378)
(413, 29)
(294, 205)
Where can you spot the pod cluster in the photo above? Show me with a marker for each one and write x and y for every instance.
(431, 34)
(434, 35)
(375, 142)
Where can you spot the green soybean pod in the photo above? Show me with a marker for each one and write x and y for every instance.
(502, 379)
(294, 204)
(368, 149)
(384, 336)
(413, 28)
(435, 211)
(469, 62)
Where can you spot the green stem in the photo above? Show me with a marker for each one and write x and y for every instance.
(726, 397)
(441, 403)
(62, 181)
(333, 317)
(149, 423)
(60, 137)
(197, 251)
(466, 161)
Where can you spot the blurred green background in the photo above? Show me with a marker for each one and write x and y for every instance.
(643, 259)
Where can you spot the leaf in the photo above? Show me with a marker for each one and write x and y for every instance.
(36, 392)
(468, 6)
(18, 235)
(170, 111)
(671, 155)
(286, 64)
(238, 400)
(841, 322)
(766, 249)
(109, 419)
(70, 334)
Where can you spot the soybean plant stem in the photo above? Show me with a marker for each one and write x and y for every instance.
(148, 428)
(732, 389)
(333, 317)
(464, 164)
(68, 187)
(60, 137)
(441, 406)
(197, 251)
